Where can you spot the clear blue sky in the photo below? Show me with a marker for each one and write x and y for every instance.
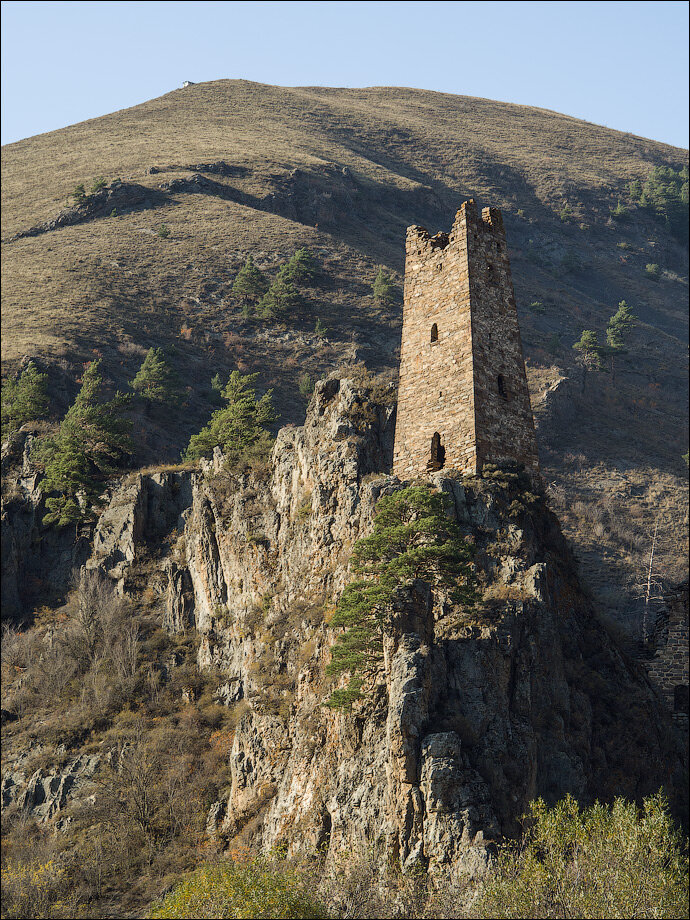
(620, 64)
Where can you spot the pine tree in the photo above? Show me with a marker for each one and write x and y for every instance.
(413, 538)
(590, 354)
(619, 325)
(24, 399)
(301, 269)
(384, 288)
(250, 283)
(93, 443)
(280, 299)
(156, 379)
(589, 350)
(240, 426)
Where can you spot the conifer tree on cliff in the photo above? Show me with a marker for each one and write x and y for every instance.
(413, 539)
(24, 399)
(92, 443)
(239, 428)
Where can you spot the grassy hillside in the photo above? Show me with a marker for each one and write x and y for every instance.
(216, 171)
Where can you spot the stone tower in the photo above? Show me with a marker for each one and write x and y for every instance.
(463, 399)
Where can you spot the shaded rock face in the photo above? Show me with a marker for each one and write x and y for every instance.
(143, 510)
(472, 713)
(37, 562)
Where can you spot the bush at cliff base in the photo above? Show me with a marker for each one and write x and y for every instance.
(239, 890)
(603, 861)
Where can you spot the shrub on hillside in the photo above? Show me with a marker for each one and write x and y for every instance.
(36, 889)
(599, 862)
(306, 386)
(385, 290)
(237, 890)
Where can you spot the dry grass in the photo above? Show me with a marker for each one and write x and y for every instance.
(113, 286)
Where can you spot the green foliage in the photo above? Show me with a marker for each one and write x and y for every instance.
(537, 307)
(79, 193)
(589, 350)
(36, 890)
(156, 379)
(306, 386)
(665, 194)
(97, 185)
(635, 190)
(163, 232)
(301, 269)
(566, 213)
(385, 290)
(251, 889)
(619, 326)
(413, 538)
(592, 354)
(320, 328)
(238, 427)
(652, 271)
(93, 443)
(250, 283)
(24, 399)
(620, 212)
(601, 862)
(281, 297)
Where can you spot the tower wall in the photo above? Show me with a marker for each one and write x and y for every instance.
(435, 392)
(503, 412)
(462, 373)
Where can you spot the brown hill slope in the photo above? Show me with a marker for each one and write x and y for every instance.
(232, 168)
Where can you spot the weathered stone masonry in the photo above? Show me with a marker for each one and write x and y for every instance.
(463, 398)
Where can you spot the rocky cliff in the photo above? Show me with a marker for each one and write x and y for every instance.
(472, 713)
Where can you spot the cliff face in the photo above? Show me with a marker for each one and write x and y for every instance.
(472, 713)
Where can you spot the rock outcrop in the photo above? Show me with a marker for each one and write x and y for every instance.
(473, 712)
(46, 792)
(38, 562)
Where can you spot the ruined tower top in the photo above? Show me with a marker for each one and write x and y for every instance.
(463, 399)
